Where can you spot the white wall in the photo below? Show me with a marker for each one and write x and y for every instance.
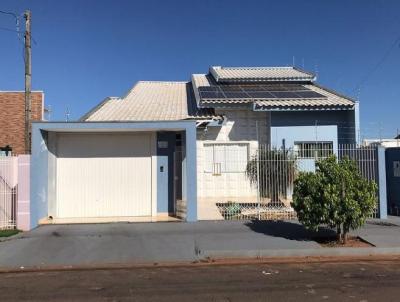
(242, 126)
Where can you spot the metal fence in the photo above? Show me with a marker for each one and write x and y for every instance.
(8, 191)
(246, 183)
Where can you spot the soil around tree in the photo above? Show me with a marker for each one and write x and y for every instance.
(352, 241)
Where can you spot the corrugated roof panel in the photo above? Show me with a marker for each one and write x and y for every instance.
(254, 74)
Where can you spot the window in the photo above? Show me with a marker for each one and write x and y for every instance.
(313, 149)
(5, 151)
(225, 158)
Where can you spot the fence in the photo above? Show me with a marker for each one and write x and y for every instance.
(245, 183)
(8, 191)
(14, 192)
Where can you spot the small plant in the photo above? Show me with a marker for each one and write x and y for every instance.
(8, 233)
(232, 209)
(273, 170)
(335, 195)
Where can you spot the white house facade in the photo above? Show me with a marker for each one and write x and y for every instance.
(233, 110)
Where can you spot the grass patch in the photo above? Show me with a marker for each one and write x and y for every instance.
(8, 233)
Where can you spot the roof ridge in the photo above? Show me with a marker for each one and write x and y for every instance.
(164, 82)
(254, 67)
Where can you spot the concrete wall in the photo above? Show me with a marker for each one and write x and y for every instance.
(242, 126)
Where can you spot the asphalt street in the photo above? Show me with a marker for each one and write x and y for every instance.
(354, 281)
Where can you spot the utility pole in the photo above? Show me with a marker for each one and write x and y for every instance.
(28, 80)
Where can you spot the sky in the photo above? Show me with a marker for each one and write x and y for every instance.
(87, 50)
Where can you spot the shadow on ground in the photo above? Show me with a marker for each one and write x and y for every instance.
(289, 230)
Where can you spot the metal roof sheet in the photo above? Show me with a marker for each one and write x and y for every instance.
(151, 101)
(259, 74)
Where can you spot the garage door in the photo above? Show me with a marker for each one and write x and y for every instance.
(103, 175)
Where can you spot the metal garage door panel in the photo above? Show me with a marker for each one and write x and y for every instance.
(103, 175)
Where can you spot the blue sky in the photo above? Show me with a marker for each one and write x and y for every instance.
(87, 50)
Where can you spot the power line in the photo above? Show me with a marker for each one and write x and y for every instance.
(9, 13)
(378, 64)
(10, 30)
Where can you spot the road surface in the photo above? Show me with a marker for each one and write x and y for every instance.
(356, 281)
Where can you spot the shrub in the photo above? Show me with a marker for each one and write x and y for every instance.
(335, 195)
(276, 170)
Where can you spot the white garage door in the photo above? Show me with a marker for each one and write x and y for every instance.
(103, 175)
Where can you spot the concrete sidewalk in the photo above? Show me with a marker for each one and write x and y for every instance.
(130, 243)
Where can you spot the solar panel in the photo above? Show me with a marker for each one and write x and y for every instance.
(260, 94)
(294, 87)
(284, 95)
(309, 94)
(252, 88)
(237, 95)
(265, 91)
(211, 95)
(231, 88)
(209, 88)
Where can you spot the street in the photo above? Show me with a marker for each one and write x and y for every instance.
(356, 281)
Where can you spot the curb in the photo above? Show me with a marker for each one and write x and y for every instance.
(295, 253)
(237, 257)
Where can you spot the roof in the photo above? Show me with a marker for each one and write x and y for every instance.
(149, 100)
(330, 100)
(326, 99)
(259, 74)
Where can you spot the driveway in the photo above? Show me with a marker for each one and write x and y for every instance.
(93, 244)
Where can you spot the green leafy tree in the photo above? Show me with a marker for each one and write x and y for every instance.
(273, 170)
(335, 195)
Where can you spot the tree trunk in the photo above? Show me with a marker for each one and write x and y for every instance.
(339, 234)
(345, 235)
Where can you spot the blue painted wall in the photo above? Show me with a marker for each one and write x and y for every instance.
(170, 138)
(343, 119)
(393, 181)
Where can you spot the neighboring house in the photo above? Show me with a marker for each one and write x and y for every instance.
(103, 166)
(385, 142)
(12, 119)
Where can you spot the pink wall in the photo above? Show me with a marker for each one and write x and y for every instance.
(23, 202)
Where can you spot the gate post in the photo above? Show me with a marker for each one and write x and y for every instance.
(382, 183)
(23, 199)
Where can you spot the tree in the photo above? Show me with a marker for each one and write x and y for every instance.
(273, 170)
(335, 195)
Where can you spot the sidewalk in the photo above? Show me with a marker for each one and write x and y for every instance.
(139, 243)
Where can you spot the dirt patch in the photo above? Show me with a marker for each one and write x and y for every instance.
(352, 241)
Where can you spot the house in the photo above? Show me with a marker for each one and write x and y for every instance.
(385, 142)
(12, 119)
(179, 148)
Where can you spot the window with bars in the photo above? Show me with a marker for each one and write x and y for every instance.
(225, 158)
(313, 149)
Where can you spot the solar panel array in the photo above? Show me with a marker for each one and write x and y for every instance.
(271, 91)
